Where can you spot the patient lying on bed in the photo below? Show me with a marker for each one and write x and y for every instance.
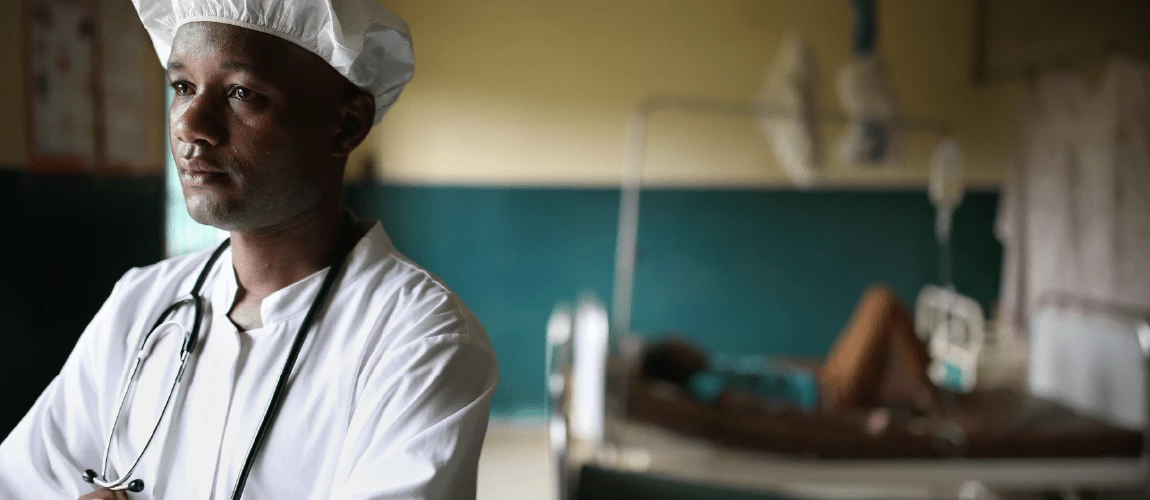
(877, 361)
(870, 398)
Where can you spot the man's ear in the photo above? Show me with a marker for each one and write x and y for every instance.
(356, 118)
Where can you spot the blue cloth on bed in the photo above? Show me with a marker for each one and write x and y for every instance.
(771, 381)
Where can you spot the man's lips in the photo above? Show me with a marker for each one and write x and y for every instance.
(199, 166)
(198, 172)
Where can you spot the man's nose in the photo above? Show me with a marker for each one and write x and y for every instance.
(199, 121)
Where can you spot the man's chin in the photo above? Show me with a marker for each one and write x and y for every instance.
(212, 213)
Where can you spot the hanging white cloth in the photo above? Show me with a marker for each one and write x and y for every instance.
(792, 82)
(1091, 364)
(1074, 216)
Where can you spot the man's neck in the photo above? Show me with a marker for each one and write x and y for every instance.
(269, 259)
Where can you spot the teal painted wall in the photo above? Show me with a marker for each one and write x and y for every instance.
(769, 271)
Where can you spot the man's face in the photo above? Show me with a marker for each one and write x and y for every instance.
(252, 125)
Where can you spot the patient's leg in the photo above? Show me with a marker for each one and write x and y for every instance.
(877, 357)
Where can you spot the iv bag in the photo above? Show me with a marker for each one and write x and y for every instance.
(946, 185)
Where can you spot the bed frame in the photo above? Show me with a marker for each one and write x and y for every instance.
(639, 448)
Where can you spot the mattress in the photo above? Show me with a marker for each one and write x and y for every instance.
(997, 423)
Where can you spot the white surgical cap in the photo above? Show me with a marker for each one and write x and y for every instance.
(363, 40)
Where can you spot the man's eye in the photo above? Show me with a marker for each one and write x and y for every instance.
(240, 93)
(182, 88)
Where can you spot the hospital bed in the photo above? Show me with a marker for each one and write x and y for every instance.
(1059, 439)
(1053, 442)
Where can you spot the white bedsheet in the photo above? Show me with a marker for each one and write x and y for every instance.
(1089, 363)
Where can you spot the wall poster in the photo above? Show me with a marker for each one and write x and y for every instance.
(95, 90)
(61, 86)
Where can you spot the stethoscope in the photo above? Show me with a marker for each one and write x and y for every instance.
(162, 325)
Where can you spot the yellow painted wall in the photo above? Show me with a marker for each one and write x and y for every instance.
(538, 91)
(12, 139)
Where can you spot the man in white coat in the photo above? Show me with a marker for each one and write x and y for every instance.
(387, 376)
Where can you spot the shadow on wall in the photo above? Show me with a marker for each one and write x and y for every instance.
(769, 271)
(68, 240)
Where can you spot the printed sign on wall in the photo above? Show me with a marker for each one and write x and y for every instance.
(94, 89)
(61, 87)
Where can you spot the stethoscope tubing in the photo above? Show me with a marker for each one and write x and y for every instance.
(188, 346)
(281, 384)
(191, 338)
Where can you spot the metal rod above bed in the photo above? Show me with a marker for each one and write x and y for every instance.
(633, 178)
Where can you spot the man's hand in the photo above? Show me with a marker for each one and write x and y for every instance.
(105, 494)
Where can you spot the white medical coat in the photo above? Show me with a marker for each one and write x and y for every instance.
(389, 398)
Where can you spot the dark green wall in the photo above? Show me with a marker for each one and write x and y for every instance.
(775, 272)
(66, 241)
